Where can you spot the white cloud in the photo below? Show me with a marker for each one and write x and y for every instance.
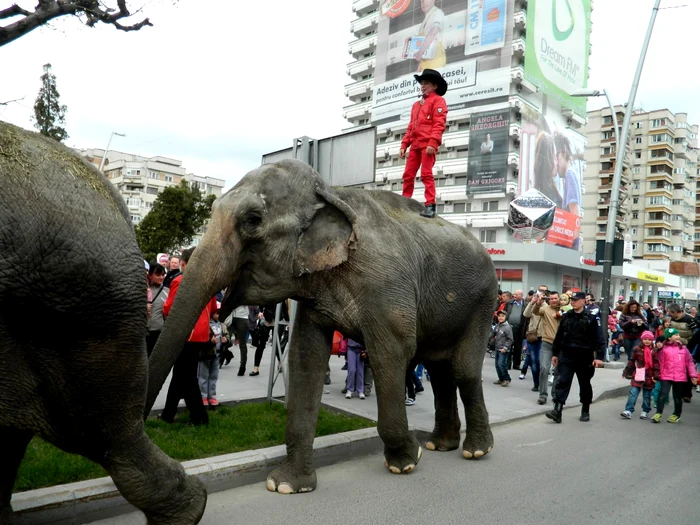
(218, 83)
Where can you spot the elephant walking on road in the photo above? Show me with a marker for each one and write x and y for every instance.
(73, 357)
(364, 263)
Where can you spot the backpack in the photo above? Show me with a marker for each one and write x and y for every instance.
(339, 347)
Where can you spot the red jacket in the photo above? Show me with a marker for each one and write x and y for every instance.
(200, 333)
(427, 123)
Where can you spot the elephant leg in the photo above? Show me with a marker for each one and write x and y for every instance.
(308, 356)
(401, 448)
(445, 435)
(14, 446)
(153, 482)
(467, 363)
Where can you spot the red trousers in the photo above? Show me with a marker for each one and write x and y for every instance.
(416, 158)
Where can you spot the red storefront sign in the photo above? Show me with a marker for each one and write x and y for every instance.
(394, 8)
(494, 251)
(565, 229)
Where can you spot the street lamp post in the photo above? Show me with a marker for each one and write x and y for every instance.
(597, 93)
(619, 159)
(108, 143)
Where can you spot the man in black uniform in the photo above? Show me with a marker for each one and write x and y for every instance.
(578, 348)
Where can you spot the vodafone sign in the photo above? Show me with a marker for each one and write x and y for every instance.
(493, 251)
(588, 262)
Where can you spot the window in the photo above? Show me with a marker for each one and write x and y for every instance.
(150, 190)
(136, 203)
(570, 281)
(634, 231)
(661, 137)
(460, 207)
(635, 185)
(639, 125)
(487, 236)
(634, 246)
(363, 121)
(657, 247)
(637, 170)
(148, 205)
(638, 140)
(637, 154)
(168, 178)
(665, 201)
(152, 175)
(607, 120)
(635, 215)
(658, 122)
(135, 219)
(635, 200)
(489, 206)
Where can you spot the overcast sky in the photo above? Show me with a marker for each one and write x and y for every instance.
(218, 87)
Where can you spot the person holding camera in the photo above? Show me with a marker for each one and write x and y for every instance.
(551, 315)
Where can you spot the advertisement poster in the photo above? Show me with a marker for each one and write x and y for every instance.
(488, 152)
(552, 162)
(468, 42)
(557, 46)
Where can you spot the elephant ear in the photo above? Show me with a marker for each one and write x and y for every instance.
(329, 236)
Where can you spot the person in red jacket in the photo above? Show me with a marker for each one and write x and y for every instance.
(424, 136)
(183, 384)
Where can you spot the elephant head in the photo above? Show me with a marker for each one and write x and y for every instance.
(277, 224)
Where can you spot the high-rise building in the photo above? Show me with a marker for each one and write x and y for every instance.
(658, 194)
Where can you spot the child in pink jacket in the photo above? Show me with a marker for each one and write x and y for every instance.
(675, 365)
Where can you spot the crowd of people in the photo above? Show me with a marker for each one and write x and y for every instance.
(546, 332)
(209, 347)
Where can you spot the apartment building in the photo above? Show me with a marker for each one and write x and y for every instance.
(140, 179)
(658, 193)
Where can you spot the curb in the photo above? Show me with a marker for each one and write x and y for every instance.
(97, 499)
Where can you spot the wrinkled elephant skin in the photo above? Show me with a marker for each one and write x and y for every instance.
(72, 328)
(361, 262)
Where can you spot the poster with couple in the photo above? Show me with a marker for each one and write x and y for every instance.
(552, 162)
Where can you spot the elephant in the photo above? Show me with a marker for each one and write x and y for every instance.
(73, 309)
(364, 263)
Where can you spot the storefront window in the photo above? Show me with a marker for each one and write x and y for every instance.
(570, 282)
(509, 279)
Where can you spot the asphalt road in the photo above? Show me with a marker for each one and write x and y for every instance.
(609, 471)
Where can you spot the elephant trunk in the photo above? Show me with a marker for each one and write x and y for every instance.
(208, 271)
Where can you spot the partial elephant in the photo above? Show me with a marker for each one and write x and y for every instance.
(364, 263)
(72, 328)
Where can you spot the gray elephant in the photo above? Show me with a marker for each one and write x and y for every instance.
(72, 328)
(361, 262)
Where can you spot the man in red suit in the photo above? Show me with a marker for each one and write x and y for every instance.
(424, 136)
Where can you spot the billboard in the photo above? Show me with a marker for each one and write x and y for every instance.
(468, 41)
(552, 162)
(488, 152)
(557, 46)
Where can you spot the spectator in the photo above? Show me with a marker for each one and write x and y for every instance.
(675, 365)
(503, 345)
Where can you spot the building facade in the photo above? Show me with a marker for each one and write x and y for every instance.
(658, 208)
(140, 179)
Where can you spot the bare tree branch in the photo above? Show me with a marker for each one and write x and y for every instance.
(47, 10)
(13, 10)
(10, 101)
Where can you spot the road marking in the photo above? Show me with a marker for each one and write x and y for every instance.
(538, 443)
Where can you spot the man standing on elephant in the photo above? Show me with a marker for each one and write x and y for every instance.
(184, 383)
(424, 136)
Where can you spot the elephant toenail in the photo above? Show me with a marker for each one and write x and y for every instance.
(420, 453)
(271, 485)
(408, 468)
(285, 488)
(386, 463)
(430, 445)
(467, 454)
(478, 453)
(489, 450)
(395, 470)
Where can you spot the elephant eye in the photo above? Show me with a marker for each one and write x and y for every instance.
(253, 220)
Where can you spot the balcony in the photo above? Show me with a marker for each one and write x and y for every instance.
(362, 6)
(364, 23)
(359, 110)
(519, 47)
(361, 67)
(520, 19)
(359, 89)
(362, 45)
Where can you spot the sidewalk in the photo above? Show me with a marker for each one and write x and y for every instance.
(503, 404)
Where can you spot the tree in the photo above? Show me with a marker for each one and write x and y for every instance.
(178, 213)
(49, 115)
(92, 11)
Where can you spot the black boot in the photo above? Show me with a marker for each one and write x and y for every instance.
(585, 413)
(555, 413)
(429, 211)
(241, 371)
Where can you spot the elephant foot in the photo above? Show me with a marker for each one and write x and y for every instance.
(403, 461)
(282, 480)
(477, 444)
(442, 442)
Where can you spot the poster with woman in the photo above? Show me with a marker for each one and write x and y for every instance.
(552, 162)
